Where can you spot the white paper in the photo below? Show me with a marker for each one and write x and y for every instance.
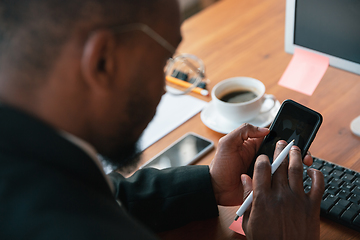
(171, 112)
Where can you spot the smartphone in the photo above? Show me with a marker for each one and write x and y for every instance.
(292, 122)
(184, 151)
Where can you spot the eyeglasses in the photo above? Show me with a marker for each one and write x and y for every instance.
(183, 73)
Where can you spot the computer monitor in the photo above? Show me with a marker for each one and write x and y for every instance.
(326, 27)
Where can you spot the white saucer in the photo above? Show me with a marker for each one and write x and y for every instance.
(214, 121)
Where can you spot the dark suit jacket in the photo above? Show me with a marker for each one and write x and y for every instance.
(51, 189)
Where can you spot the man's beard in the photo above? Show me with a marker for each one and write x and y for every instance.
(124, 159)
(124, 154)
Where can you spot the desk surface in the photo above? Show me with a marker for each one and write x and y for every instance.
(246, 38)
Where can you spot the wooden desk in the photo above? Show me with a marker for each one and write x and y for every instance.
(246, 38)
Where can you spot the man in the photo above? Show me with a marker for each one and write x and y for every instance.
(71, 86)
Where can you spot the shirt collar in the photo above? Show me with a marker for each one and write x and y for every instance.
(90, 150)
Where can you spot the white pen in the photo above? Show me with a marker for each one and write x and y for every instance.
(280, 158)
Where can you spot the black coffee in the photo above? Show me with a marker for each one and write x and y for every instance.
(239, 96)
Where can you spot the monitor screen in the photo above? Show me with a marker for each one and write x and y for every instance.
(328, 27)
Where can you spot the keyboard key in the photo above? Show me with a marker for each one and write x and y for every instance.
(327, 178)
(344, 203)
(317, 165)
(305, 176)
(357, 181)
(355, 198)
(332, 190)
(315, 159)
(328, 202)
(336, 211)
(326, 170)
(348, 177)
(356, 190)
(337, 173)
(349, 171)
(329, 164)
(348, 186)
(307, 189)
(350, 213)
(355, 208)
(348, 216)
(307, 182)
(356, 221)
(344, 194)
(339, 168)
(325, 195)
(336, 182)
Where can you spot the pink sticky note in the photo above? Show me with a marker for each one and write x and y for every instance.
(304, 71)
(236, 226)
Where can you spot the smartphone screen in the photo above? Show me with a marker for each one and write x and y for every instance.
(293, 122)
(184, 151)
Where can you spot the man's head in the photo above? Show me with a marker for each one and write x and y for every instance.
(62, 61)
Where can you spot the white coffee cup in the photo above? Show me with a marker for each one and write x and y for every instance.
(241, 111)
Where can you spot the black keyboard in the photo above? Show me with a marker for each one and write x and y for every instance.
(341, 199)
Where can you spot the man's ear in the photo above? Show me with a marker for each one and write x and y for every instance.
(98, 59)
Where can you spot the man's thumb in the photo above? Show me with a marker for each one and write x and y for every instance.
(247, 185)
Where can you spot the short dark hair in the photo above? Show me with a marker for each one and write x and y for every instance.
(32, 32)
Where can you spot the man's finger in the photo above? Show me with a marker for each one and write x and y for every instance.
(247, 185)
(280, 145)
(262, 175)
(308, 160)
(245, 221)
(295, 170)
(317, 185)
(245, 132)
(280, 176)
(261, 183)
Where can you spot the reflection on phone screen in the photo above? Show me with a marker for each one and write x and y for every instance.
(180, 154)
(292, 124)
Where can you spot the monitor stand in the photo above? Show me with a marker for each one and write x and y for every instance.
(355, 126)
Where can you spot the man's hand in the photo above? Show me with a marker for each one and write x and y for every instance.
(281, 209)
(233, 157)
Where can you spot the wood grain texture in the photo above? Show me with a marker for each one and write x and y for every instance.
(246, 38)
